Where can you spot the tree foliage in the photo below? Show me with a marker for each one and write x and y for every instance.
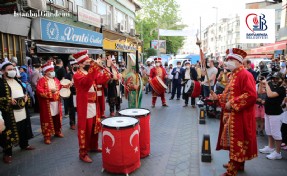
(150, 52)
(161, 14)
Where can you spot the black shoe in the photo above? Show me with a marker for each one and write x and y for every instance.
(171, 99)
(146, 93)
(185, 105)
(178, 99)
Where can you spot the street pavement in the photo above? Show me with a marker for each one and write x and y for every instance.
(176, 139)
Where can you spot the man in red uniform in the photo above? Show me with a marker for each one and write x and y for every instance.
(48, 90)
(238, 124)
(88, 119)
(158, 70)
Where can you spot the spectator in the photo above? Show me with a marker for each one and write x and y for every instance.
(170, 77)
(148, 68)
(247, 65)
(35, 76)
(60, 70)
(282, 65)
(176, 81)
(273, 115)
(23, 74)
(259, 107)
(211, 72)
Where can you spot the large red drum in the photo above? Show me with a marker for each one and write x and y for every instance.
(143, 115)
(196, 89)
(158, 85)
(120, 143)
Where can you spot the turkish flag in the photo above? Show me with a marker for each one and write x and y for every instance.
(121, 152)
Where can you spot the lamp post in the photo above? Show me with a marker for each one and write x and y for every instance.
(215, 52)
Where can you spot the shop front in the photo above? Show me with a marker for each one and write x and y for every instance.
(120, 46)
(58, 39)
(12, 37)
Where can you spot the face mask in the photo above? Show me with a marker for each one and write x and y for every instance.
(178, 66)
(230, 65)
(52, 74)
(11, 73)
(86, 67)
(208, 64)
(157, 64)
(187, 66)
(75, 69)
(282, 64)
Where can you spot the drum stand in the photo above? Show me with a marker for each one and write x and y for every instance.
(104, 170)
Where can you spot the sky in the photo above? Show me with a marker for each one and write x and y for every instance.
(192, 10)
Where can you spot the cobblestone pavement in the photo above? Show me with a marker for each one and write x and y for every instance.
(174, 148)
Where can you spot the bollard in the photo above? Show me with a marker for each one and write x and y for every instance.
(205, 149)
(201, 116)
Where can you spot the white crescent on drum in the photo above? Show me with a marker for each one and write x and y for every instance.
(107, 133)
(65, 93)
(136, 132)
(188, 86)
(65, 82)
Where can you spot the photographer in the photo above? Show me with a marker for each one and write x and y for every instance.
(273, 115)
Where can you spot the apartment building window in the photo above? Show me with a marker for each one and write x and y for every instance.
(95, 6)
(80, 3)
(60, 2)
(109, 15)
(121, 18)
(102, 8)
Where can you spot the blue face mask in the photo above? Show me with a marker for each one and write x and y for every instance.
(282, 64)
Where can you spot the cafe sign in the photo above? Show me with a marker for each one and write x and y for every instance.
(47, 30)
(89, 17)
(119, 45)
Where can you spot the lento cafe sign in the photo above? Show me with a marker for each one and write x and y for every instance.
(58, 32)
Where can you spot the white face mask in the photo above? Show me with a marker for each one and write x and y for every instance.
(187, 66)
(11, 73)
(178, 66)
(230, 65)
(52, 74)
(157, 64)
(208, 64)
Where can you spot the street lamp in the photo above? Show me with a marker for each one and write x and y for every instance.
(216, 30)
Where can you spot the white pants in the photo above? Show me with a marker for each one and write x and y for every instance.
(273, 126)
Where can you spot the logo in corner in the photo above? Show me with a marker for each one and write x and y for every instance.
(256, 22)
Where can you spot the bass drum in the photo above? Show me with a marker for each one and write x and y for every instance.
(188, 87)
(196, 89)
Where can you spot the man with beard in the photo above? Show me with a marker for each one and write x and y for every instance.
(238, 124)
(13, 99)
(89, 121)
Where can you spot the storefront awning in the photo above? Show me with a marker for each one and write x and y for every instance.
(270, 48)
(41, 48)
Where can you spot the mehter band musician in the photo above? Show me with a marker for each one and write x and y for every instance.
(89, 124)
(13, 105)
(158, 71)
(48, 90)
(238, 124)
(189, 73)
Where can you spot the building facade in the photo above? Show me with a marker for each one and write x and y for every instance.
(63, 27)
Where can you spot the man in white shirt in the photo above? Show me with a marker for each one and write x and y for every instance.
(211, 72)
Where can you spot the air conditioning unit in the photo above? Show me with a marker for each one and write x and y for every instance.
(122, 28)
(34, 4)
(133, 32)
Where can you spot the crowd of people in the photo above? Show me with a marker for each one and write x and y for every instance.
(95, 82)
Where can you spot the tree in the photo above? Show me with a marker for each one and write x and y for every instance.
(159, 14)
(150, 52)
